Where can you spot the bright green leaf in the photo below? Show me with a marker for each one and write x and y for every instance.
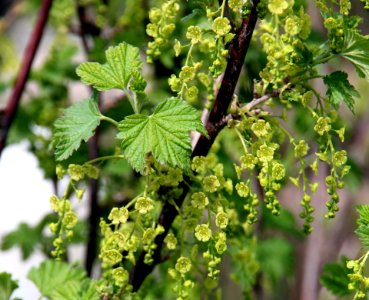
(356, 50)
(363, 225)
(78, 124)
(121, 62)
(340, 90)
(279, 265)
(165, 134)
(335, 279)
(7, 286)
(25, 237)
(76, 290)
(53, 274)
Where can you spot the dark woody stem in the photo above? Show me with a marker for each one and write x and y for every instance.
(236, 56)
(29, 55)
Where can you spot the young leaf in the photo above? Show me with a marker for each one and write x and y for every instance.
(81, 290)
(363, 225)
(78, 124)
(335, 279)
(121, 62)
(7, 286)
(279, 265)
(53, 274)
(340, 90)
(26, 237)
(356, 50)
(164, 134)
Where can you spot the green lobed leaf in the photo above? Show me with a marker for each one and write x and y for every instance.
(340, 90)
(7, 286)
(52, 274)
(26, 237)
(121, 62)
(362, 231)
(335, 279)
(356, 50)
(78, 124)
(76, 290)
(165, 134)
(279, 265)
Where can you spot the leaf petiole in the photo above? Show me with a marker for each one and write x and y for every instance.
(102, 158)
(110, 120)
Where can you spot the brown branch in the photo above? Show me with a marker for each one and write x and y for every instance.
(257, 101)
(29, 55)
(87, 27)
(237, 53)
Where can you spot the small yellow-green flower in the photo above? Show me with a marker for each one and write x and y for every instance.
(170, 241)
(248, 161)
(260, 128)
(221, 26)
(152, 30)
(221, 246)
(148, 236)
(199, 164)
(278, 7)
(144, 205)
(203, 232)
(174, 83)
(339, 158)
(54, 202)
(278, 171)
(155, 15)
(80, 193)
(242, 189)
(204, 79)
(211, 183)
(120, 275)
(293, 25)
(70, 219)
(192, 93)
(341, 134)
(111, 257)
(306, 98)
(221, 220)
(194, 34)
(91, 171)
(76, 172)
(301, 149)
(199, 200)
(345, 6)
(167, 30)
(118, 215)
(183, 265)
(265, 153)
(187, 73)
(235, 5)
(177, 48)
(323, 124)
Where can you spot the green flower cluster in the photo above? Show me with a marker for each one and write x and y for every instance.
(80, 172)
(197, 75)
(183, 285)
(358, 281)
(161, 27)
(67, 218)
(286, 50)
(63, 228)
(113, 245)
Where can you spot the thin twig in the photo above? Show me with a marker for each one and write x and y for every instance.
(257, 101)
(237, 52)
(29, 55)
